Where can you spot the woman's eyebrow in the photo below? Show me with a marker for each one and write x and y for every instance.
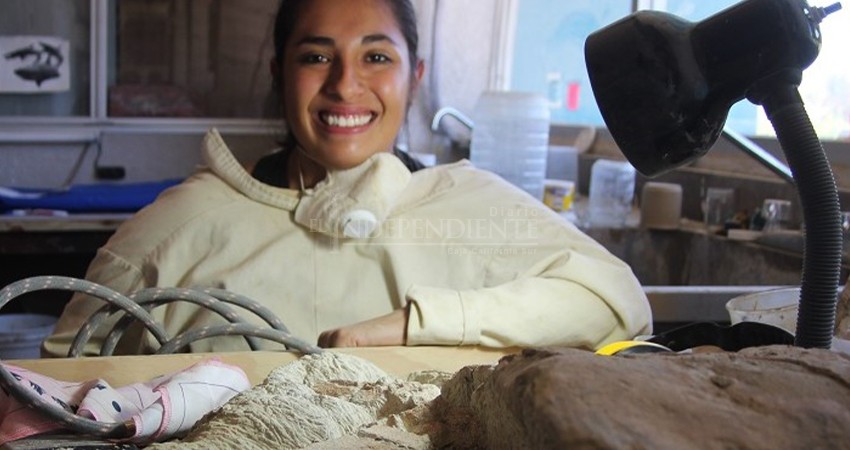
(329, 42)
(315, 40)
(377, 37)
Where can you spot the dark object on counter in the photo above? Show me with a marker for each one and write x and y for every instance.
(730, 338)
(110, 173)
(664, 87)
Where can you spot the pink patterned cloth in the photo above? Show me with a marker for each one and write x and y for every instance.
(161, 408)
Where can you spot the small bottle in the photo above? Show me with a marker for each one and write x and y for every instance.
(777, 214)
(511, 138)
(612, 190)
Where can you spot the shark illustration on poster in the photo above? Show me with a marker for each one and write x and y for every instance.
(34, 64)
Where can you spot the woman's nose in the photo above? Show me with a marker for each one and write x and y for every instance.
(344, 80)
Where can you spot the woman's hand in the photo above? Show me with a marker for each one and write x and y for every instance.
(387, 330)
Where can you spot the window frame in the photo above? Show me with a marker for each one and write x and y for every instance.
(82, 129)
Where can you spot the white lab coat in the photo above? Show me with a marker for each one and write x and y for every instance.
(479, 261)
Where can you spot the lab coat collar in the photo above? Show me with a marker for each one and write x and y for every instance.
(221, 161)
(424, 184)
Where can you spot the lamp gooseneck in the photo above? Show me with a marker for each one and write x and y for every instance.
(819, 202)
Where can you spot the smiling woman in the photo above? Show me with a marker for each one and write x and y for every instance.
(349, 239)
(345, 83)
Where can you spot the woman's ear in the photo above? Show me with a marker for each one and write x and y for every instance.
(416, 78)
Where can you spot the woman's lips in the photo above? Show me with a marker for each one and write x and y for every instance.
(346, 120)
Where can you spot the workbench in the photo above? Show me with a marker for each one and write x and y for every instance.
(123, 370)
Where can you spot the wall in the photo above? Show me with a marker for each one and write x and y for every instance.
(457, 69)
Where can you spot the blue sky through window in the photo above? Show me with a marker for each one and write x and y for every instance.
(549, 59)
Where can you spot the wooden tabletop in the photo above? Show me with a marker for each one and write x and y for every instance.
(123, 370)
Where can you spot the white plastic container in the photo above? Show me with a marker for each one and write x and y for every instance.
(774, 307)
(777, 307)
(612, 191)
(562, 163)
(511, 138)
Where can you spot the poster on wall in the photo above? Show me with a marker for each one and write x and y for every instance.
(34, 64)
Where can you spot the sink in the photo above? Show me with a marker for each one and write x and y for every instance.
(689, 274)
(690, 256)
(678, 305)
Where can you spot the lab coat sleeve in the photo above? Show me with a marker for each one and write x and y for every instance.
(107, 269)
(567, 299)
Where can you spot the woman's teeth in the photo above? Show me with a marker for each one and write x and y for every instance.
(346, 121)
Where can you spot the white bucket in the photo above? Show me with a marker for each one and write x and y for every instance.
(777, 307)
(774, 307)
(21, 335)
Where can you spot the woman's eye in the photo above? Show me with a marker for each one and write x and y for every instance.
(313, 58)
(378, 58)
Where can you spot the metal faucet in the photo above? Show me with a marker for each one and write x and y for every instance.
(449, 111)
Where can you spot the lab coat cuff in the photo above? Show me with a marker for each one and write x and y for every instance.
(441, 317)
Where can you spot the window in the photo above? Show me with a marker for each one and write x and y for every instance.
(190, 58)
(185, 59)
(549, 59)
(549, 53)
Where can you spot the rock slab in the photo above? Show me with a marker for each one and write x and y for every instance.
(759, 398)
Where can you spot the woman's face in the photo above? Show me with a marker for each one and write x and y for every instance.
(346, 81)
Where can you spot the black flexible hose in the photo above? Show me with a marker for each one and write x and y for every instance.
(821, 212)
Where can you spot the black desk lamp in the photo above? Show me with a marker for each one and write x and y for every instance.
(664, 86)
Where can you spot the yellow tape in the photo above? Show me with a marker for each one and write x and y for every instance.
(624, 347)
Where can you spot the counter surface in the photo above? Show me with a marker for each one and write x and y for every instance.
(123, 370)
(47, 235)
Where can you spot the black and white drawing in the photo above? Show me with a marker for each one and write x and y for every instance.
(34, 64)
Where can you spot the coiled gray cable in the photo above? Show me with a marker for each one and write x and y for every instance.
(215, 300)
(138, 307)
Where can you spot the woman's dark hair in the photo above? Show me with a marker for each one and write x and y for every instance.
(289, 11)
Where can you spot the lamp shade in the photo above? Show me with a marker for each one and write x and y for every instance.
(664, 85)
